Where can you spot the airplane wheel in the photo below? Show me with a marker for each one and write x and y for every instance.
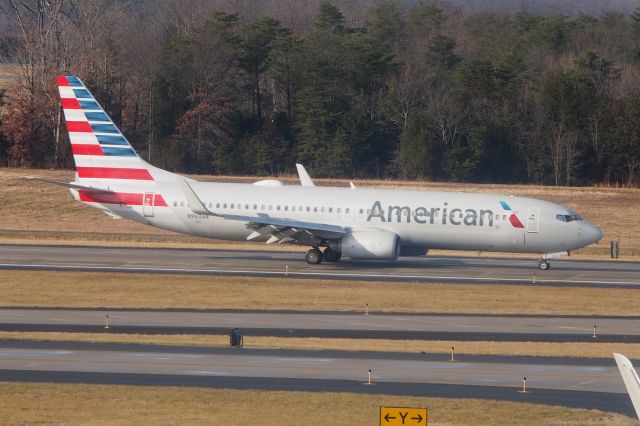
(331, 255)
(313, 256)
(544, 265)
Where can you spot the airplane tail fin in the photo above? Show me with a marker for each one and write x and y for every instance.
(631, 380)
(100, 150)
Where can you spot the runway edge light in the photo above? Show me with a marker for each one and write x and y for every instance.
(404, 416)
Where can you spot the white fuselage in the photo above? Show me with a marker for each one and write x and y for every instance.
(421, 219)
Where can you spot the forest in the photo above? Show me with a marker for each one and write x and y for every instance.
(358, 89)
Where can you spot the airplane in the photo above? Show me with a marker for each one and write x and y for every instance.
(630, 379)
(352, 222)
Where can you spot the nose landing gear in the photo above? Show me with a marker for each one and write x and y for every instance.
(544, 264)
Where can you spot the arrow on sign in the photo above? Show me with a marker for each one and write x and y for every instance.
(403, 416)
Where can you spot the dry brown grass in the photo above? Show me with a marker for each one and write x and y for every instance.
(29, 403)
(31, 206)
(573, 350)
(87, 289)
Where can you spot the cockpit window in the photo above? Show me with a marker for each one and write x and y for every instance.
(568, 217)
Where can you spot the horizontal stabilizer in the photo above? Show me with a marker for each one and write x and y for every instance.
(70, 185)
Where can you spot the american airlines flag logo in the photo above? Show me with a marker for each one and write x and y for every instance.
(95, 138)
(513, 218)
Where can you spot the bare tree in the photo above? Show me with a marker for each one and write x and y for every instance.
(408, 88)
(563, 151)
(448, 114)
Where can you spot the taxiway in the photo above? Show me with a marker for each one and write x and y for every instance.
(328, 325)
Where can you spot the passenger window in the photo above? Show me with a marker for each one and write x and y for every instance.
(308, 208)
(278, 207)
(263, 207)
(361, 211)
(232, 205)
(246, 206)
(286, 208)
(217, 205)
(224, 205)
(270, 206)
(330, 209)
(255, 207)
(338, 210)
(181, 203)
(321, 209)
(293, 208)
(347, 210)
(175, 204)
(315, 209)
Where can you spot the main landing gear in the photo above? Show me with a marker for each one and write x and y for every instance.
(544, 264)
(314, 256)
(331, 255)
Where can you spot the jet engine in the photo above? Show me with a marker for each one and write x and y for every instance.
(373, 244)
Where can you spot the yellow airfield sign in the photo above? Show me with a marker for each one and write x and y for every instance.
(403, 416)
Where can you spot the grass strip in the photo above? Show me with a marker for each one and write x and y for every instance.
(33, 403)
(119, 290)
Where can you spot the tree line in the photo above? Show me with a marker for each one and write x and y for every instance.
(387, 90)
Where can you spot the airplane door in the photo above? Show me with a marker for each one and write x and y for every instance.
(533, 219)
(147, 204)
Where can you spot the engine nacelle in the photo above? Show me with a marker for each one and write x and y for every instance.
(372, 244)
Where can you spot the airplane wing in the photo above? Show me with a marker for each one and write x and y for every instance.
(305, 179)
(281, 230)
(630, 378)
(70, 185)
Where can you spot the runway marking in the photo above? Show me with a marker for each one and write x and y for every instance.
(209, 373)
(311, 274)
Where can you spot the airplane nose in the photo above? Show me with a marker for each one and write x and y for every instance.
(592, 233)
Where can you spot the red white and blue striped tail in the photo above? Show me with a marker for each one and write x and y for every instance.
(100, 150)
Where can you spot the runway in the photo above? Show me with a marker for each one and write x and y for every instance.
(551, 381)
(586, 383)
(563, 272)
(328, 325)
